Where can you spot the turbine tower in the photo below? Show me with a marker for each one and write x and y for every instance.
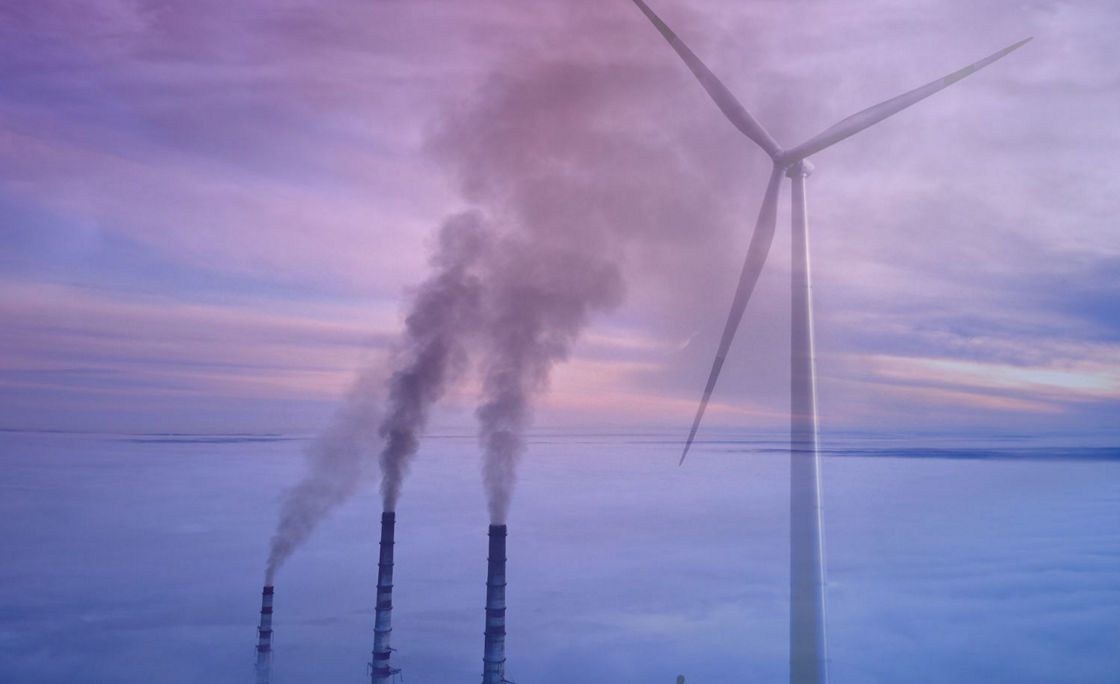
(807, 652)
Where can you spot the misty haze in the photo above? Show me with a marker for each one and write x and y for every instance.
(423, 341)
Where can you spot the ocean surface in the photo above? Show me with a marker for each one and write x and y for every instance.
(139, 558)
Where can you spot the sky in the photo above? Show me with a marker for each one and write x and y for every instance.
(215, 214)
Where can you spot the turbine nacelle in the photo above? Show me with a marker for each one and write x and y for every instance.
(802, 168)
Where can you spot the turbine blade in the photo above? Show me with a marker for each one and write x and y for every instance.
(752, 267)
(873, 115)
(731, 108)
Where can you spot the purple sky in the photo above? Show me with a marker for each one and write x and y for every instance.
(212, 212)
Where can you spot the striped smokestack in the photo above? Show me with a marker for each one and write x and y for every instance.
(264, 632)
(380, 670)
(494, 652)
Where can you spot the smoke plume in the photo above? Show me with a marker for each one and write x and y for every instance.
(540, 297)
(444, 314)
(441, 318)
(563, 149)
(587, 163)
(337, 462)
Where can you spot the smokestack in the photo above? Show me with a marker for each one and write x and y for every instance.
(264, 632)
(380, 670)
(494, 652)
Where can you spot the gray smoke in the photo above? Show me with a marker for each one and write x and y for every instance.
(444, 314)
(564, 149)
(520, 303)
(527, 151)
(539, 297)
(583, 159)
(338, 460)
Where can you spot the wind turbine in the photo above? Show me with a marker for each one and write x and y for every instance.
(807, 655)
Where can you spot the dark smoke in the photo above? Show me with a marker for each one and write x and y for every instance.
(337, 462)
(540, 297)
(588, 156)
(564, 149)
(444, 314)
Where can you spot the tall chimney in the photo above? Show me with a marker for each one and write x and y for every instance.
(494, 653)
(380, 670)
(264, 632)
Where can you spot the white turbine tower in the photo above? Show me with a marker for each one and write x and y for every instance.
(807, 653)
